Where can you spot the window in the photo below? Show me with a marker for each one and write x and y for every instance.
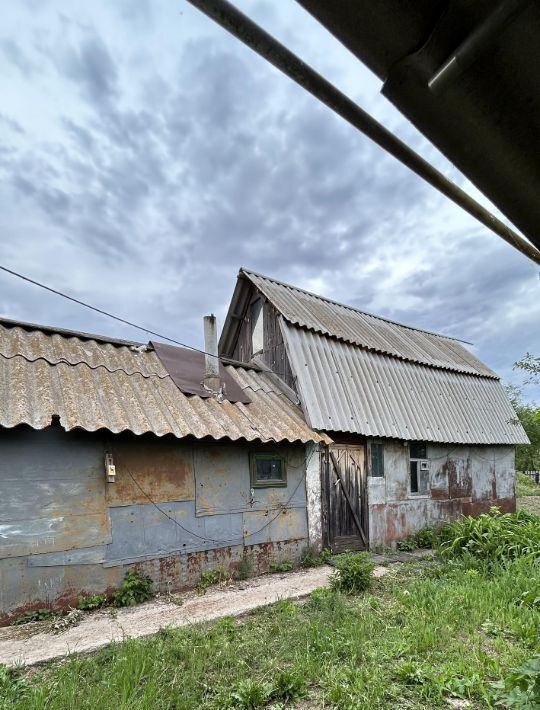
(419, 468)
(377, 458)
(257, 332)
(267, 470)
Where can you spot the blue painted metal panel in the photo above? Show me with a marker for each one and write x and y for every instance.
(290, 524)
(83, 556)
(222, 481)
(144, 532)
(53, 492)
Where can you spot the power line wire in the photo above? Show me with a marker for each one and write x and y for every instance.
(100, 310)
(236, 540)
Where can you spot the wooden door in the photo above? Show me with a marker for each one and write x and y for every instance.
(345, 497)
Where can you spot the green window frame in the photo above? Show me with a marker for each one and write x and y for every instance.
(263, 466)
(376, 452)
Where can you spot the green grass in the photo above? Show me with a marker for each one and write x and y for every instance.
(525, 486)
(422, 633)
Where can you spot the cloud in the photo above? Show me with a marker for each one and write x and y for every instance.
(178, 156)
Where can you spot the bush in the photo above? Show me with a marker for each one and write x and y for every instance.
(245, 568)
(407, 545)
(352, 573)
(311, 558)
(283, 566)
(29, 616)
(93, 601)
(212, 577)
(135, 589)
(492, 537)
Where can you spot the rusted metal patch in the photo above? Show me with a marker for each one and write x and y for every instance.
(156, 470)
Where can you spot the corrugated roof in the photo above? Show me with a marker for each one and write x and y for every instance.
(366, 330)
(350, 389)
(94, 385)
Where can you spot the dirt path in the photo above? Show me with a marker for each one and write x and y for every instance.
(101, 628)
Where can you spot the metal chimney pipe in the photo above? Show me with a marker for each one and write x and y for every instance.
(211, 361)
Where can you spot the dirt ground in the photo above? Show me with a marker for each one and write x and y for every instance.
(530, 503)
(19, 646)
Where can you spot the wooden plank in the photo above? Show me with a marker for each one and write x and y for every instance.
(346, 492)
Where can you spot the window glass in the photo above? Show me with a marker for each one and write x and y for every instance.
(377, 458)
(419, 468)
(257, 333)
(267, 470)
(418, 450)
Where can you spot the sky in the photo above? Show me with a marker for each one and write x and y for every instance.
(145, 155)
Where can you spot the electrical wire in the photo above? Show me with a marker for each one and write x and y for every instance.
(236, 540)
(101, 311)
(140, 327)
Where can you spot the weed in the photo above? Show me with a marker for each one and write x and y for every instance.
(352, 572)
(491, 537)
(245, 568)
(521, 687)
(63, 623)
(93, 601)
(135, 589)
(311, 558)
(288, 686)
(423, 539)
(29, 616)
(530, 598)
(211, 577)
(281, 566)
(251, 694)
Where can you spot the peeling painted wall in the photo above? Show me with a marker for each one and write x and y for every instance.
(464, 480)
(176, 509)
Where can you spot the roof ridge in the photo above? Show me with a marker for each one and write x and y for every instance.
(243, 270)
(68, 333)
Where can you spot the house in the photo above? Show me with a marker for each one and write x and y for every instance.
(421, 429)
(118, 455)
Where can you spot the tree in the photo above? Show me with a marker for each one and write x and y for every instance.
(531, 365)
(527, 455)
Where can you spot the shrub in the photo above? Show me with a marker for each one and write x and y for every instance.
(352, 572)
(311, 558)
(493, 537)
(281, 566)
(212, 577)
(29, 616)
(135, 589)
(407, 545)
(425, 538)
(93, 601)
(245, 568)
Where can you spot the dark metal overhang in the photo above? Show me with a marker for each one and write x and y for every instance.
(483, 112)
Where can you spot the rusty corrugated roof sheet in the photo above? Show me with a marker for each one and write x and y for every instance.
(369, 331)
(98, 385)
(350, 389)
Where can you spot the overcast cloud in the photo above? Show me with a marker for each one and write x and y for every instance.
(146, 155)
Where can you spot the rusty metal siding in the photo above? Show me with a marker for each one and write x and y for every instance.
(53, 497)
(59, 477)
(223, 480)
(94, 386)
(349, 389)
(326, 317)
(165, 468)
(464, 480)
